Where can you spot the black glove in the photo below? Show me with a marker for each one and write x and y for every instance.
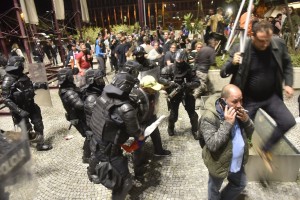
(173, 84)
(23, 113)
(186, 85)
(40, 85)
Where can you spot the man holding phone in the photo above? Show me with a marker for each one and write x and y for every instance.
(225, 127)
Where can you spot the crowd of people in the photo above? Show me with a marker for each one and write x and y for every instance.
(108, 114)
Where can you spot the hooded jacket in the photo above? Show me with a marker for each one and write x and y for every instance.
(217, 152)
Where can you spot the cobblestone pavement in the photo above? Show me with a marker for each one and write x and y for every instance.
(60, 174)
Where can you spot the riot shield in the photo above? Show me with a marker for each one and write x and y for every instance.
(155, 72)
(37, 72)
(15, 165)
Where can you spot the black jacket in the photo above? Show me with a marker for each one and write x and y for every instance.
(239, 73)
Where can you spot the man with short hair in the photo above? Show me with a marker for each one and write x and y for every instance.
(170, 55)
(82, 59)
(100, 53)
(71, 57)
(120, 52)
(225, 128)
(265, 65)
(146, 45)
(113, 43)
(156, 52)
(205, 58)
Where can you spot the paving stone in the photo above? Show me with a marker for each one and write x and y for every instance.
(60, 174)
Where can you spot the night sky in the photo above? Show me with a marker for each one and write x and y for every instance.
(41, 5)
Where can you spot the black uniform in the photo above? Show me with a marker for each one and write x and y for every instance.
(72, 102)
(148, 67)
(3, 63)
(114, 120)
(92, 90)
(113, 60)
(18, 94)
(182, 91)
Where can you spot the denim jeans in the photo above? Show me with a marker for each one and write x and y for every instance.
(236, 184)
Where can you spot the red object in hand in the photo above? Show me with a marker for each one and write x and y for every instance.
(134, 146)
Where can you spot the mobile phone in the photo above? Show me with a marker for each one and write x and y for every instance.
(223, 103)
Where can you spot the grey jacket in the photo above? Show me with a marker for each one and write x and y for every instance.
(217, 152)
(240, 72)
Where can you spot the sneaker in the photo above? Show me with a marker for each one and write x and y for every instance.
(163, 153)
(267, 159)
(297, 120)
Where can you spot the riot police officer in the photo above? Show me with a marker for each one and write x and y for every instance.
(18, 94)
(114, 120)
(91, 91)
(71, 99)
(3, 63)
(148, 66)
(185, 80)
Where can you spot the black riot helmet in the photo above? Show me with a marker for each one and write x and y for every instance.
(181, 56)
(124, 81)
(94, 76)
(132, 67)
(65, 75)
(139, 53)
(15, 63)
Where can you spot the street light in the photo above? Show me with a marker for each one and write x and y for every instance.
(22, 16)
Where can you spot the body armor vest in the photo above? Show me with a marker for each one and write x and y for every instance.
(22, 91)
(106, 122)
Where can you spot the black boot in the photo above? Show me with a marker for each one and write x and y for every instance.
(86, 151)
(41, 146)
(31, 135)
(171, 128)
(194, 123)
